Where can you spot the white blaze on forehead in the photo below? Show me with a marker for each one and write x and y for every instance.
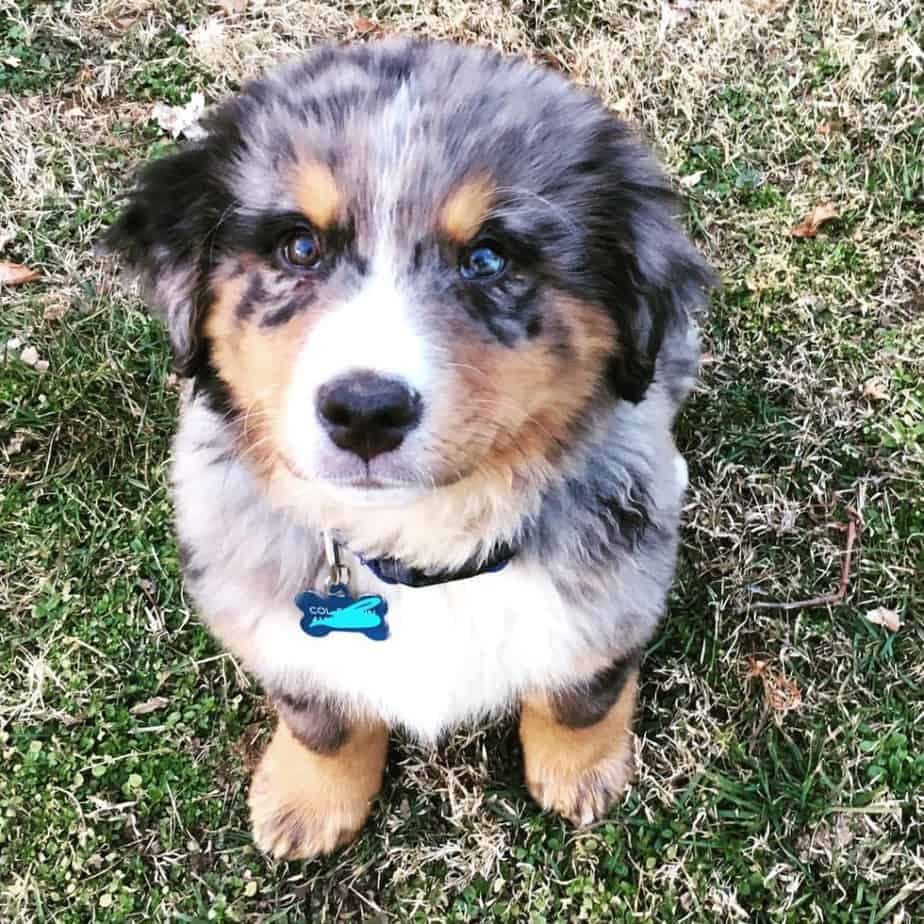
(378, 329)
(396, 132)
(394, 166)
(373, 331)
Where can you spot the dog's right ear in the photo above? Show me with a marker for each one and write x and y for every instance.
(163, 235)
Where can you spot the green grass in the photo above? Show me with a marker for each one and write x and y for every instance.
(741, 811)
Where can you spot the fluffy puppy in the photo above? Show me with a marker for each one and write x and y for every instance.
(435, 308)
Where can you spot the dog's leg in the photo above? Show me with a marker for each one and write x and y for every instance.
(577, 744)
(312, 790)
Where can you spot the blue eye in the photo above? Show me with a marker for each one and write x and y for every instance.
(301, 250)
(482, 262)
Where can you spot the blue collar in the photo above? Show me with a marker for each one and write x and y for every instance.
(393, 571)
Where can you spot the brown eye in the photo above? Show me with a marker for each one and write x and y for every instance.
(300, 250)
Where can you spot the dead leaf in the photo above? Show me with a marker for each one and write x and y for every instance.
(15, 274)
(29, 355)
(181, 120)
(876, 388)
(883, 616)
(153, 704)
(55, 309)
(691, 179)
(366, 26)
(819, 215)
(830, 127)
(780, 693)
(230, 7)
(756, 668)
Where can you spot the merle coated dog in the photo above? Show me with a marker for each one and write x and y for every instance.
(438, 320)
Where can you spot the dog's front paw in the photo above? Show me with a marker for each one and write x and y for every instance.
(296, 825)
(577, 743)
(582, 795)
(304, 804)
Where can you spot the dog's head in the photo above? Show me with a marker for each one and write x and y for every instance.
(400, 264)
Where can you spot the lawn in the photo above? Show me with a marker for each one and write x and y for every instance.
(781, 750)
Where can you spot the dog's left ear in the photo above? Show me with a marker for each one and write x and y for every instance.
(163, 233)
(655, 276)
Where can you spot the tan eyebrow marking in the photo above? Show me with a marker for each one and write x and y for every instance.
(466, 208)
(317, 193)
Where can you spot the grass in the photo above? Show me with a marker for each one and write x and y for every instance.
(782, 753)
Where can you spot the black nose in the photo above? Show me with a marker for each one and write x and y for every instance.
(368, 414)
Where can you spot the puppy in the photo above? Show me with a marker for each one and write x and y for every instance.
(438, 319)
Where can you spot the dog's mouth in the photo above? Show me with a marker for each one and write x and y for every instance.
(365, 482)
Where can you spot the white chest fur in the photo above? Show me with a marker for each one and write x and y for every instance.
(454, 651)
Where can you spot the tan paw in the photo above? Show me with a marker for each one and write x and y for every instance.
(586, 795)
(304, 804)
(578, 769)
(293, 826)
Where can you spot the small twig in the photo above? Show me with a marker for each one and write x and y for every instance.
(836, 596)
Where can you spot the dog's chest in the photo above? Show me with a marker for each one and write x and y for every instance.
(454, 651)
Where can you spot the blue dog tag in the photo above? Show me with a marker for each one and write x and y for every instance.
(337, 611)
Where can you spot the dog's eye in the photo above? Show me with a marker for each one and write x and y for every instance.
(300, 250)
(483, 261)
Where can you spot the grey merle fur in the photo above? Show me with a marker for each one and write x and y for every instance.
(586, 704)
(315, 721)
(581, 208)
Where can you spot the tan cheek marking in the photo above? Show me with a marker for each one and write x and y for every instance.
(466, 209)
(578, 772)
(255, 362)
(534, 392)
(317, 193)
